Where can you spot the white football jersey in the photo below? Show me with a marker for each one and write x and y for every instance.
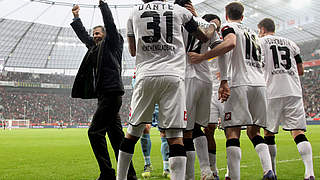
(246, 66)
(214, 69)
(281, 71)
(160, 49)
(200, 71)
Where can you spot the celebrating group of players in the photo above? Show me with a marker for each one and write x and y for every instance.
(256, 77)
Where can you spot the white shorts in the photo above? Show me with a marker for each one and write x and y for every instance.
(216, 109)
(168, 92)
(246, 106)
(198, 102)
(287, 110)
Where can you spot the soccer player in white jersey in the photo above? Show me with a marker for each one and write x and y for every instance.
(246, 105)
(283, 65)
(155, 38)
(198, 88)
(216, 111)
(198, 92)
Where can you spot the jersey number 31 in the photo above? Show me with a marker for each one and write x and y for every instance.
(156, 28)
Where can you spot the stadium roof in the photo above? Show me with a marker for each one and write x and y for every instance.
(37, 34)
(295, 19)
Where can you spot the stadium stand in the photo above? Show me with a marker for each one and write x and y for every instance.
(311, 89)
(36, 102)
(29, 101)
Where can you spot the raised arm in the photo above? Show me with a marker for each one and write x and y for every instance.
(80, 30)
(113, 36)
(203, 34)
(229, 42)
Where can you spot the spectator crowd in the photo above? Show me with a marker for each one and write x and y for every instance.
(311, 92)
(50, 107)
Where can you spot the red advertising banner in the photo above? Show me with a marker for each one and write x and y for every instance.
(312, 63)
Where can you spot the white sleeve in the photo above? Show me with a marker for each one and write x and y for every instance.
(184, 14)
(130, 31)
(223, 64)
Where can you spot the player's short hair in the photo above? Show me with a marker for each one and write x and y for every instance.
(101, 27)
(268, 24)
(182, 2)
(147, 1)
(210, 17)
(234, 10)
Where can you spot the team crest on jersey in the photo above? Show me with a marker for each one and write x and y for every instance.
(185, 115)
(130, 111)
(227, 116)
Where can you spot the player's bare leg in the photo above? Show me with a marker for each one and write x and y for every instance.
(233, 151)
(209, 132)
(261, 148)
(305, 150)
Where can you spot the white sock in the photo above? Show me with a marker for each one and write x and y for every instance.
(227, 173)
(305, 151)
(124, 160)
(263, 153)
(165, 165)
(201, 146)
(191, 157)
(273, 154)
(213, 163)
(233, 160)
(177, 166)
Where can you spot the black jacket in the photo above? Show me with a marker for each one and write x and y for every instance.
(105, 77)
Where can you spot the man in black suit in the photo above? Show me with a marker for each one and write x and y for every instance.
(99, 76)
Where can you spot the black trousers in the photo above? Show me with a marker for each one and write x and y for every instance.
(107, 120)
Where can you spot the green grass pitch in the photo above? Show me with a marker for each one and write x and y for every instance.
(52, 154)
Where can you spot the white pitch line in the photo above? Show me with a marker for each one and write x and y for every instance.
(248, 165)
(281, 161)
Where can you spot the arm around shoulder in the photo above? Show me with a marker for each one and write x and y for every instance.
(229, 42)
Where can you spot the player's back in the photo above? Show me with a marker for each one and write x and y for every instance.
(246, 65)
(281, 71)
(159, 42)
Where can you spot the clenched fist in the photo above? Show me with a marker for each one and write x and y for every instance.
(75, 11)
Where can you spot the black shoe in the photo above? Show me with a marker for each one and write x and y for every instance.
(103, 177)
(132, 177)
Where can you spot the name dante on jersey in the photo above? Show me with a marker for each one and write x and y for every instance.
(155, 7)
